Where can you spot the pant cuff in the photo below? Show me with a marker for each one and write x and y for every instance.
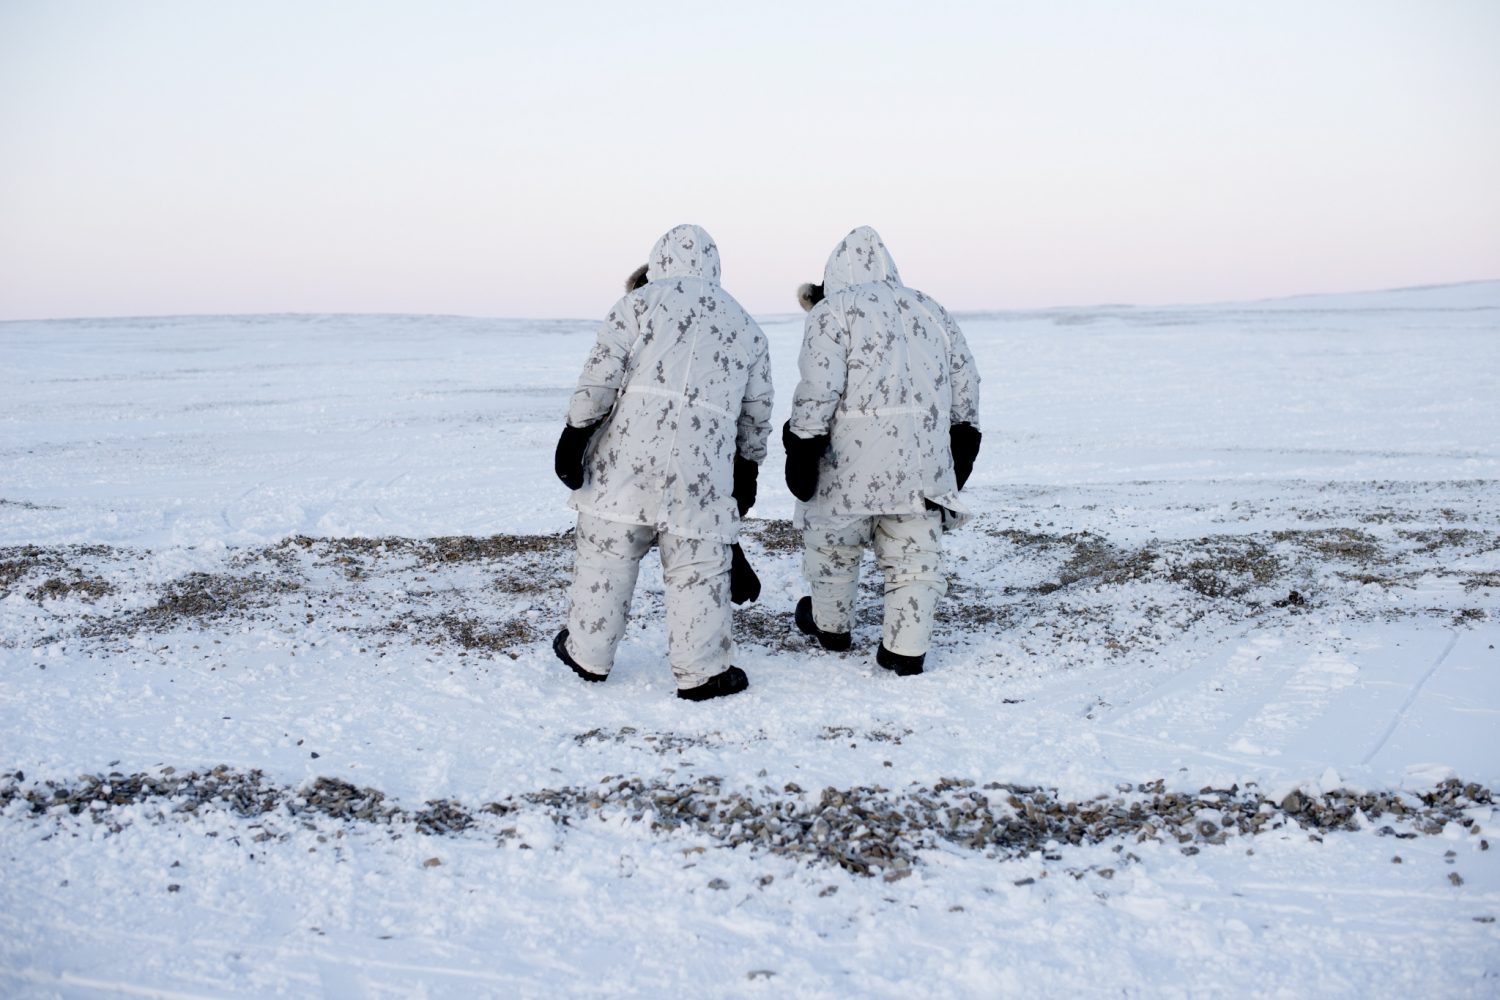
(583, 661)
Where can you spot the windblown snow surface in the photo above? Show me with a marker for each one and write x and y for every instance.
(279, 713)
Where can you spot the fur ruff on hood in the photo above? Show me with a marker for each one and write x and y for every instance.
(809, 295)
(636, 279)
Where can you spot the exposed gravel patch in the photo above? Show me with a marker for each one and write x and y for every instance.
(867, 830)
(775, 534)
(19, 563)
(1054, 591)
(443, 550)
(77, 586)
(467, 632)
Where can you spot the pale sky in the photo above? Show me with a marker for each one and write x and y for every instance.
(508, 159)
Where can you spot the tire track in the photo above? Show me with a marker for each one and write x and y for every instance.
(1400, 716)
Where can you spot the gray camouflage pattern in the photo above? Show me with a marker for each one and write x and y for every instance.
(683, 374)
(696, 575)
(908, 550)
(885, 371)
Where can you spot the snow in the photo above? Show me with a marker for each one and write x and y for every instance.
(1154, 482)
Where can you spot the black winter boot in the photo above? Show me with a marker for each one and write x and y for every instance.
(560, 647)
(834, 642)
(901, 666)
(731, 681)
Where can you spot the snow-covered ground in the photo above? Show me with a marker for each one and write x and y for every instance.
(1252, 547)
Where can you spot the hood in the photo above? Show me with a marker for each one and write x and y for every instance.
(684, 251)
(859, 258)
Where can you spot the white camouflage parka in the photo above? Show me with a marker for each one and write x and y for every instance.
(684, 375)
(885, 371)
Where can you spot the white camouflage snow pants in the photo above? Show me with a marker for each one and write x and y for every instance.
(908, 550)
(696, 574)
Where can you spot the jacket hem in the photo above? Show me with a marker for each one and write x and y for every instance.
(660, 526)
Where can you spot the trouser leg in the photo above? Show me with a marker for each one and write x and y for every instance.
(830, 561)
(695, 572)
(909, 551)
(604, 572)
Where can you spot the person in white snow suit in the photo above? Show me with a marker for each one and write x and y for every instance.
(664, 437)
(884, 433)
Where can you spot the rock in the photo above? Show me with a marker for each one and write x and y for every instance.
(718, 883)
(432, 862)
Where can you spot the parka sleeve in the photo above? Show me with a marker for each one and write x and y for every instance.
(824, 369)
(604, 371)
(754, 425)
(964, 374)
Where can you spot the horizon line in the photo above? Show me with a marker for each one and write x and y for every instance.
(776, 316)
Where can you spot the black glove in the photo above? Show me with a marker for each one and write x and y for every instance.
(963, 440)
(568, 462)
(746, 473)
(744, 585)
(802, 458)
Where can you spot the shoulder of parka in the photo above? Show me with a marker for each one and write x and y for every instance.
(829, 312)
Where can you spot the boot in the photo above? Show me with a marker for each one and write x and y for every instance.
(560, 647)
(731, 681)
(901, 666)
(836, 642)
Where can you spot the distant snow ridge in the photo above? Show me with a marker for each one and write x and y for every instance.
(1460, 295)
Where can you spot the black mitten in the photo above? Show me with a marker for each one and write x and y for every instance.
(746, 473)
(802, 458)
(744, 585)
(963, 439)
(568, 461)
